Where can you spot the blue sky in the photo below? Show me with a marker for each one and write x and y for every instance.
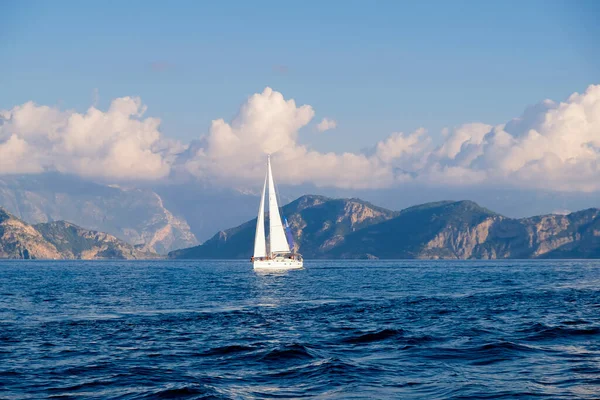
(375, 67)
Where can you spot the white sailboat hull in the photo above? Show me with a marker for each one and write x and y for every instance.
(277, 264)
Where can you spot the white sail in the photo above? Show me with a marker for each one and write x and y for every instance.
(260, 246)
(278, 242)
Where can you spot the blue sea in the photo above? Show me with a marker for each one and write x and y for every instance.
(335, 330)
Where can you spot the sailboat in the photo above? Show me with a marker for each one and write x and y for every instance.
(279, 255)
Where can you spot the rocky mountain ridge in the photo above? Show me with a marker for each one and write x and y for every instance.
(60, 240)
(351, 228)
(318, 223)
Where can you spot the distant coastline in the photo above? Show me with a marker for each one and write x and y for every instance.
(354, 229)
(327, 228)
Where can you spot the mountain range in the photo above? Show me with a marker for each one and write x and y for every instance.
(352, 228)
(146, 221)
(60, 240)
(163, 216)
(132, 214)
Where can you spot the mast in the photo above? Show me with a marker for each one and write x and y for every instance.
(278, 242)
(260, 247)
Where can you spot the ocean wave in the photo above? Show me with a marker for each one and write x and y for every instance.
(540, 331)
(82, 385)
(437, 331)
(376, 336)
(483, 354)
(322, 373)
(184, 392)
(288, 352)
(576, 322)
(228, 350)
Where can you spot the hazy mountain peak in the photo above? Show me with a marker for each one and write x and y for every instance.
(135, 215)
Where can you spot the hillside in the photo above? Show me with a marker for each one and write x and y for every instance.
(351, 228)
(20, 240)
(434, 230)
(60, 240)
(318, 223)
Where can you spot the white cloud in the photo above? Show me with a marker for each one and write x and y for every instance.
(326, 124)
(268, 124)
(459, 139)
(13, 157)
(117, 144)
(551, 146)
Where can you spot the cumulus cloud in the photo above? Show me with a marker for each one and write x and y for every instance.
(268, 124)
(13, 153)
(552, 145)
(116, 144)
(326, 124)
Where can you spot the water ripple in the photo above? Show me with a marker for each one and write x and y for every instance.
(336, 330)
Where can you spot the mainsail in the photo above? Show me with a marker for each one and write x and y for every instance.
(260, 247)
(278, 242)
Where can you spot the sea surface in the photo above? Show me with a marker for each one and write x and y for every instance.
(335, 330)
